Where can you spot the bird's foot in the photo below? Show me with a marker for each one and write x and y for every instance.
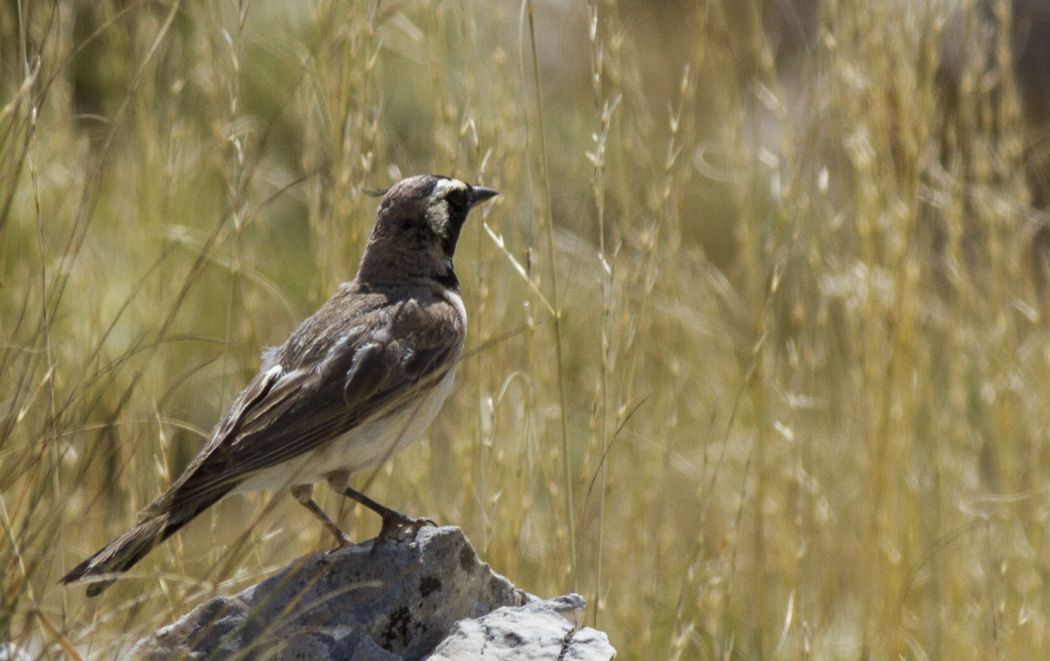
(341, 540)
(395, 524)
(302, 494)
(399, 526)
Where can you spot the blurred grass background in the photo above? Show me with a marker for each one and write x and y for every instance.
(789, 252)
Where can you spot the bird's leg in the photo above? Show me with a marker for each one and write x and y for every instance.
(393, 521)
(303, 493)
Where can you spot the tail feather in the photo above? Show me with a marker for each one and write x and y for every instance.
(159, 521)
(123, 552)
(119, 555)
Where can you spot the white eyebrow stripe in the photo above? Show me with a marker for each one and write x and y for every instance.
(443, 186)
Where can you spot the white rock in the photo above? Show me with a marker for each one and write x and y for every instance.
(537, 630)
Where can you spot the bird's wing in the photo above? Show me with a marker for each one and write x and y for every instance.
(366, 375)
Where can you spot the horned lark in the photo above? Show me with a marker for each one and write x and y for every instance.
(353, 384)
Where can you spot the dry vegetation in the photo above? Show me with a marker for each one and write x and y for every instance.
(759, 363)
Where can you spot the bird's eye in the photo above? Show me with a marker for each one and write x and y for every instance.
(457, 200)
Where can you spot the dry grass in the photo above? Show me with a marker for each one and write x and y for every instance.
(760, 367)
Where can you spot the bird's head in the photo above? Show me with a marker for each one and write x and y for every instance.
(417, 227)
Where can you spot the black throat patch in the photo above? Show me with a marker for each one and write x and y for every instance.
(448, 278)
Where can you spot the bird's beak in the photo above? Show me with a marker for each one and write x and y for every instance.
(479, 194)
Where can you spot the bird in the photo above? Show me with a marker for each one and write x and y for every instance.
(354, 383)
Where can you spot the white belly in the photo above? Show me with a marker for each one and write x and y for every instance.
(363, 447)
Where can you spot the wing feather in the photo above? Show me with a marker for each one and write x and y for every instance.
(364, 376)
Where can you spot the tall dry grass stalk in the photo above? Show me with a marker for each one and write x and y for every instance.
(757, 359)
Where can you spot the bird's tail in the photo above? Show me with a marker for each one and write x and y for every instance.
(123, 552)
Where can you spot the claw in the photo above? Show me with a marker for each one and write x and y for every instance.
(341, 540)
(396, 525)
(394, 522)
